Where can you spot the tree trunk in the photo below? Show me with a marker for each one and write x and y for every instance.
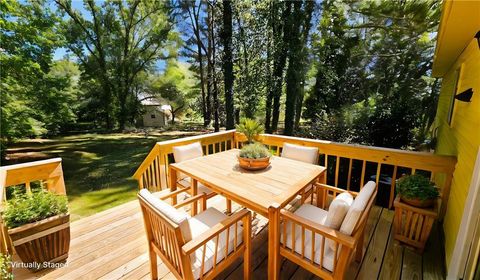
(307, 24)
(294, 69)
(279, 67)
(228, 64)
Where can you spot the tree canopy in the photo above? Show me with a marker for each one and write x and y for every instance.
(350, 71)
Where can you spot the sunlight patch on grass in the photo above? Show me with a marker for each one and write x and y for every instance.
(87, 155)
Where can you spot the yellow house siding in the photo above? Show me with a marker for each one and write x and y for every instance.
(462, 139)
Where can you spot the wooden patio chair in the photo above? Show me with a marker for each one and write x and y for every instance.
(305, 154)
(197, 247)
(321, 241)
(191, 151)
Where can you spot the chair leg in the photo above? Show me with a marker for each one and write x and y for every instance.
(153, 264)
(229, 206)
(359, 251)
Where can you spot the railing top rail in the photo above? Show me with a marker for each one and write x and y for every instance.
(30, 164)
(171, 143)
(194, 138)
(380, 154)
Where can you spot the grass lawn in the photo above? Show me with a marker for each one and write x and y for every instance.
(97, 167)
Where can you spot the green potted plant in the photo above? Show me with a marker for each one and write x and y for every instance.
(250, 128)
(417, 190)
(39, 226)
(253, 156)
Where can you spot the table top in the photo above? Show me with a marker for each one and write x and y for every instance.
(257, 190)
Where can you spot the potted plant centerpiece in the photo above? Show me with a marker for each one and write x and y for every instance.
(39, 226)
(254, 155)
(417, 190)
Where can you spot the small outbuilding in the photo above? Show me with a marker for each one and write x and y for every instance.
(155, 113)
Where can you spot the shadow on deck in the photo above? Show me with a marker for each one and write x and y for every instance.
(112, 245)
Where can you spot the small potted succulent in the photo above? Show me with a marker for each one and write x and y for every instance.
(417, 190)
(39, 226)
(254, 155)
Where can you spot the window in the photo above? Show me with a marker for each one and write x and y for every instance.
(152, 116)
(451, 109)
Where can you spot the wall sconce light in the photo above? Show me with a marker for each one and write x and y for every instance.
(465, 96)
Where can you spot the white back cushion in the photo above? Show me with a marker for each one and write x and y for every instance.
(300, 153)
(355, 211)
(174, 215)
(186, 152)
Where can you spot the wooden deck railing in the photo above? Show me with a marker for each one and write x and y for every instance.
(348, 166)
(47, 174)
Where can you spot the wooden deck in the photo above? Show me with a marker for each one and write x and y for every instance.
(112, 245)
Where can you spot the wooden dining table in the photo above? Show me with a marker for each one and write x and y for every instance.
(264, 191)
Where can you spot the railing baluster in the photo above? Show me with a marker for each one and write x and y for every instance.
(337, 169)
(27, 187)
(349, 174)
(379, 168)
(392, 187)
(362, 178)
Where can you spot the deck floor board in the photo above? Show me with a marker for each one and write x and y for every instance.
(112, 245)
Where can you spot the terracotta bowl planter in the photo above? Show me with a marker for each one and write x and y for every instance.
(253, 164)
(47, 240)
(417, 202)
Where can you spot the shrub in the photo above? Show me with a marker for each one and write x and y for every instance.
(29, 208)
(251, 128)
(6, 267)
(255, 150)
(416, 186)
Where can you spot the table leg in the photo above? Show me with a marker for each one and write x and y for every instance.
(173, 184)
(274, 242)
(194, 191)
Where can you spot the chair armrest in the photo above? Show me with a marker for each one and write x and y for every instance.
(211, 233)
(334, 189)
(174, 193)
(327, 232)
(193, 199)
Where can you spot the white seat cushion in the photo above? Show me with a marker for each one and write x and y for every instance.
(173, 214)
(358, 206)
(186, 152)
(316, 215)
(300, 153)
(201, 223)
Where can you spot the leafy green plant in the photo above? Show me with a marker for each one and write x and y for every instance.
(254, 151)
(6, 267)
(29, 208)
(416, 187)
(250, 127)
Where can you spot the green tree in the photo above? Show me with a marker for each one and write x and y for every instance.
(36, 98)
(116, 42)
(228, 63)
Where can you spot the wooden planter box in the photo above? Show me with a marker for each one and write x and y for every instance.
(412, 225)
(43, 241)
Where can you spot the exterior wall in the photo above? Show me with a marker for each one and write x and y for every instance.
(158, 121)
(462, 138)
